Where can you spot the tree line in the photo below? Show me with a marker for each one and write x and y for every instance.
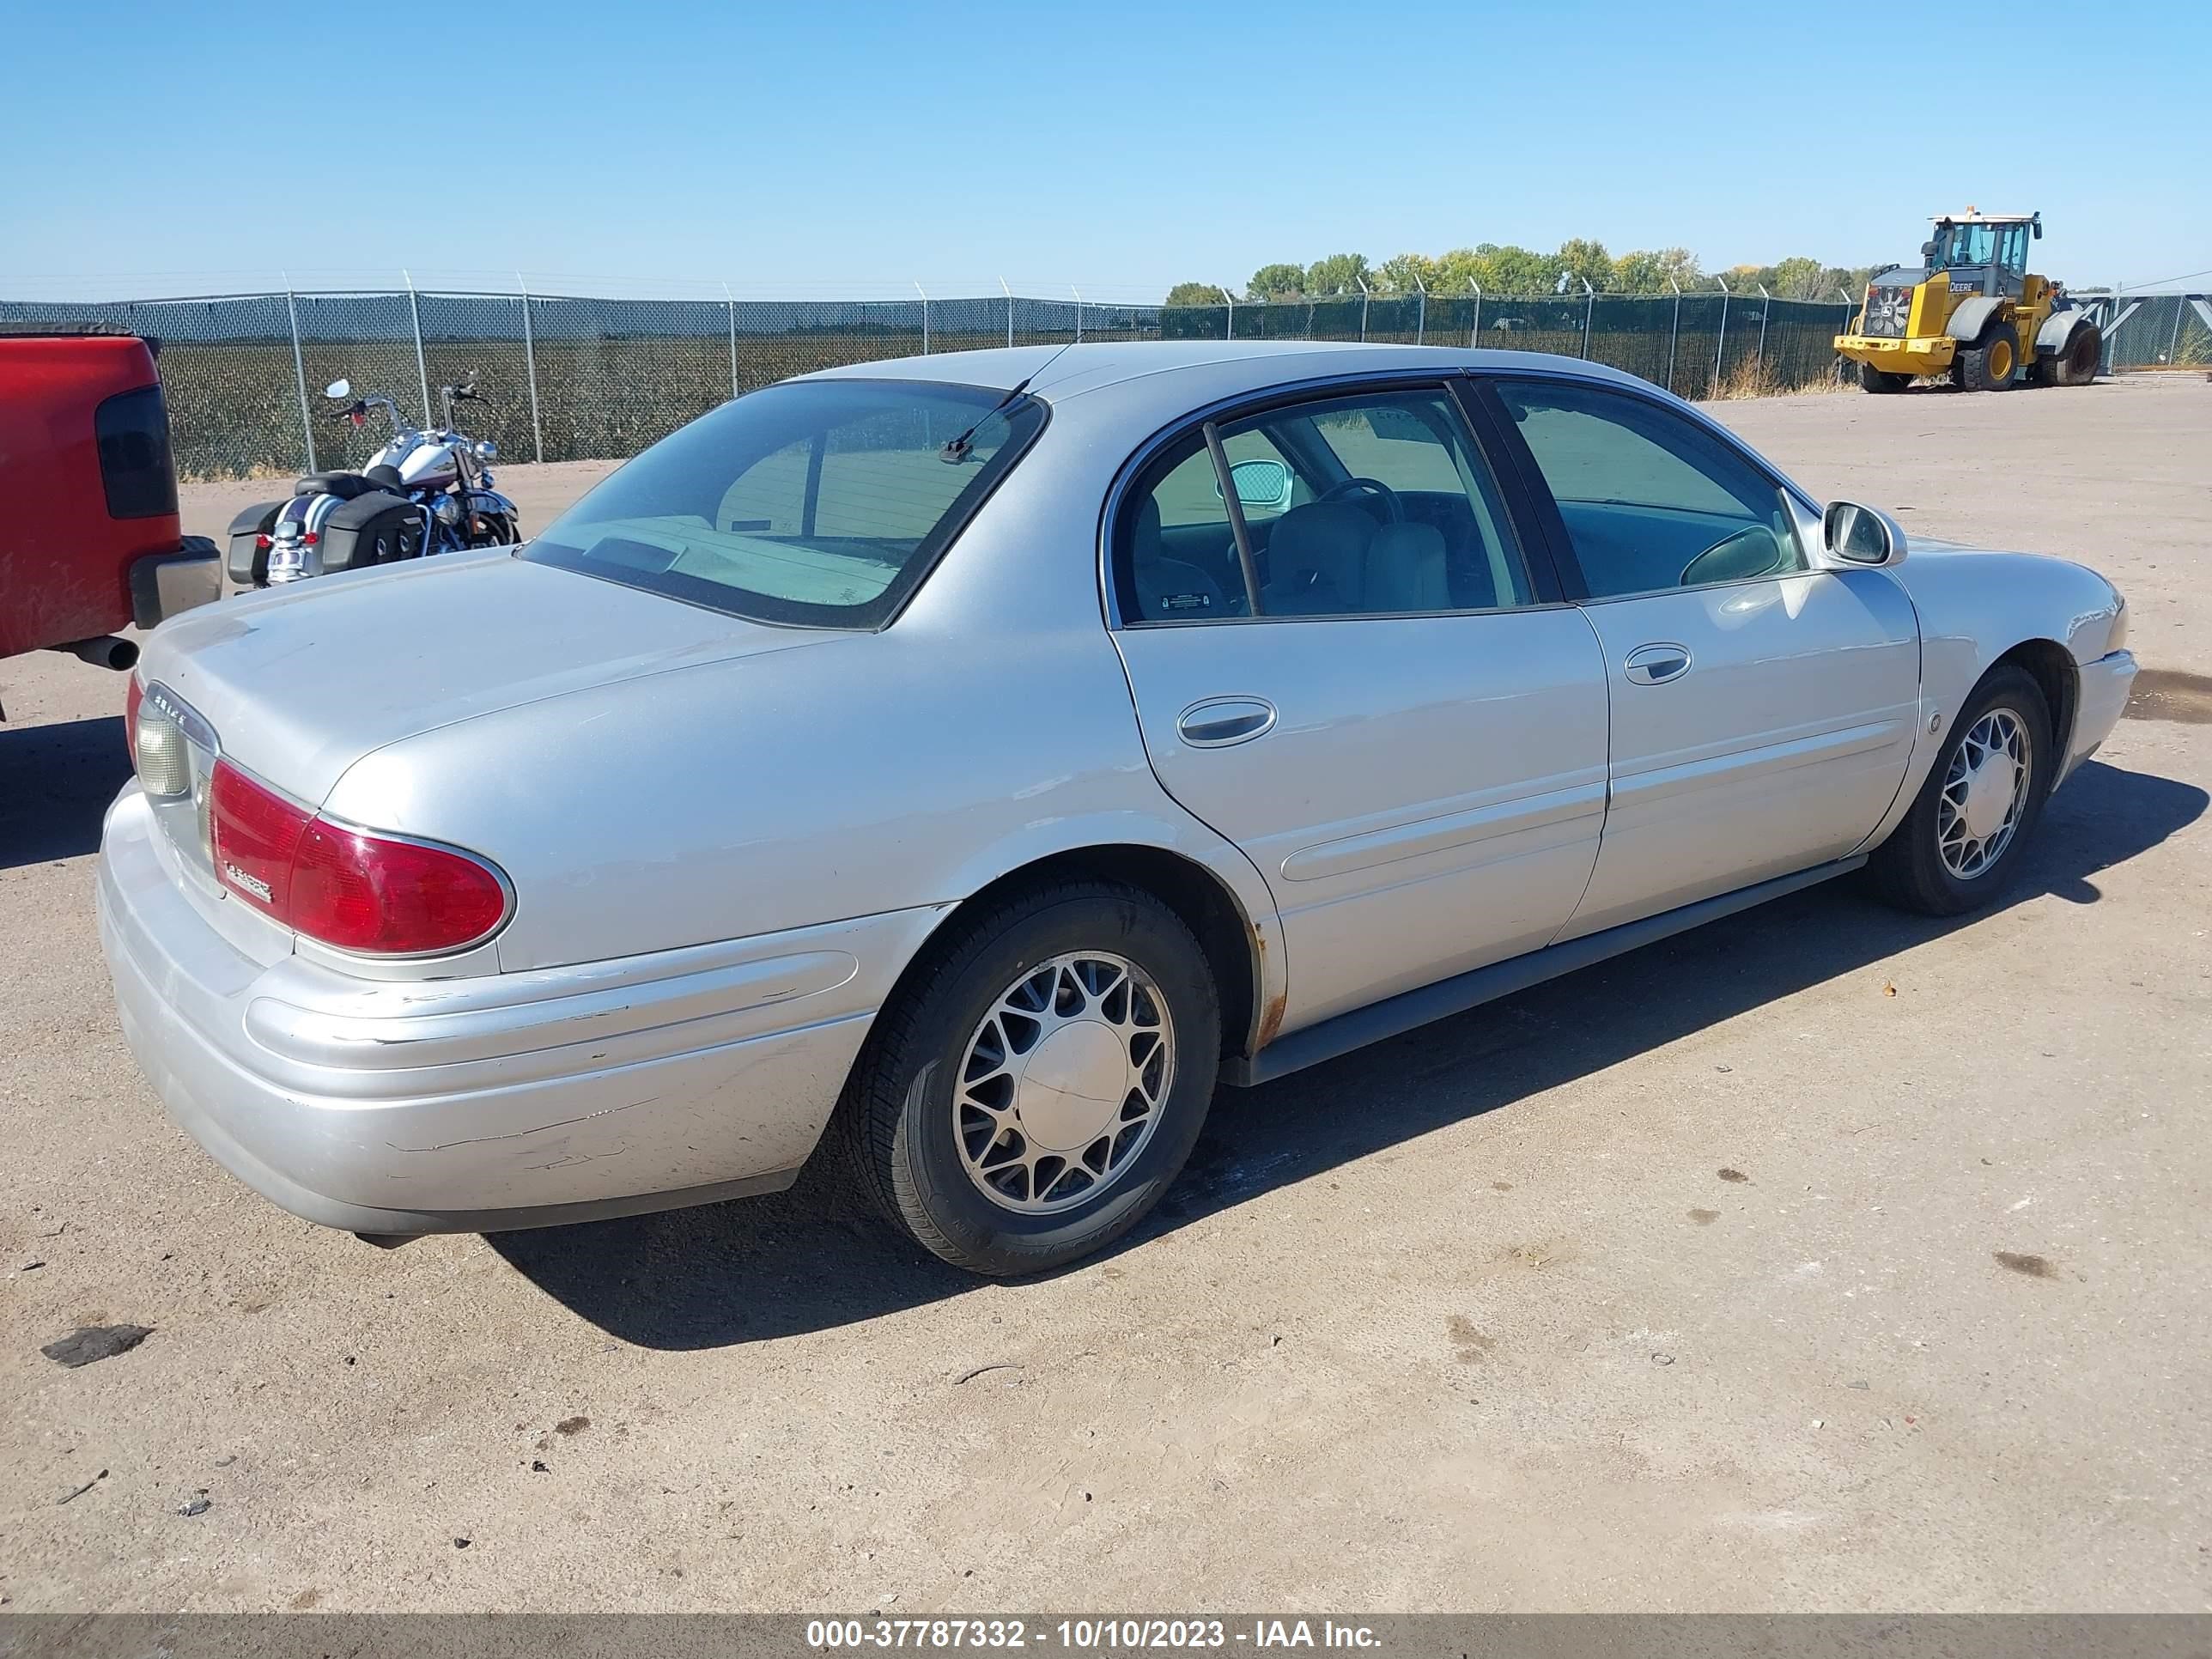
(1522, 272)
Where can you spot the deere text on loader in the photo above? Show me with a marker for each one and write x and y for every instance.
(1972, 313)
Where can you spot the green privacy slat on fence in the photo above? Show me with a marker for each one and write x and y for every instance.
(613, 375)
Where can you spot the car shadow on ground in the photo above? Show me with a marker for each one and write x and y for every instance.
(810, 1259)
(56, 782)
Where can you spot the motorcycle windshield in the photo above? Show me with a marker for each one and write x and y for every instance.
(818, 503)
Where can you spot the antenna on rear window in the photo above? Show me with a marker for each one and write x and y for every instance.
(955, 451)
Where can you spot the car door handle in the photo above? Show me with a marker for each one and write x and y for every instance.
(1219, 721)
(1655, 664)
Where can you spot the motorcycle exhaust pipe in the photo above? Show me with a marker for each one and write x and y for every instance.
(105, 652)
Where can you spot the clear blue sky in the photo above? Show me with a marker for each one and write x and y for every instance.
(825, 148)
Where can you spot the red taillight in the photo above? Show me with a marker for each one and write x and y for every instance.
(262, 541)
(256, 833)
(131, 698)
(344, 886)
(363, 892)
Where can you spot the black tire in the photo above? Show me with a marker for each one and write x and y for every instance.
(1879, 379)
(897, 1117)
(1989, 364)
(1908, 870)
(2078, 364)
(495, 530)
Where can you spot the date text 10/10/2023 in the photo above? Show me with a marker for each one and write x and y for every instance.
(1086, 1635)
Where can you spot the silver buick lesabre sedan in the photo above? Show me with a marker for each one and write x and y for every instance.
(971, 761)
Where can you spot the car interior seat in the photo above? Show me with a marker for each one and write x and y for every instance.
(1406, 569)
(1317, 560)
(1167, 589)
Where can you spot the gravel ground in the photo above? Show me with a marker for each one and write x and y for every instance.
(1826, 1258)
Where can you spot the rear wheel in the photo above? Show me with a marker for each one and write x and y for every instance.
(1987, 365)
(2077, 361)
(1875, 379)
(1957, 847)
(1031, 1095)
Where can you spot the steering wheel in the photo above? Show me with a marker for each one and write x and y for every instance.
(1392, 506)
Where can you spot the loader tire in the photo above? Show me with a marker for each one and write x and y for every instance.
(1988, 364)
(1878, 379)
(2077, 363)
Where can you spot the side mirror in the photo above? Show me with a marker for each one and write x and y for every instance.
(338, 389)
(1261, 486)
(1856, 535)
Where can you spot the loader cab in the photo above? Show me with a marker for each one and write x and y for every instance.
(1983, 254)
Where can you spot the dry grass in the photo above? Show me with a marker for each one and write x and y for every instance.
(1752, 378)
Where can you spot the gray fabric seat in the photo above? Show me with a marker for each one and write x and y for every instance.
(1317, 560)
(1406, 570)
(1167, 589)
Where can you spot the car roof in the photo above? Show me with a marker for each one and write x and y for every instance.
(1065, 372)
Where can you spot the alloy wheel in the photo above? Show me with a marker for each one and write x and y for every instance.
(1985, 794)
(1062, 1081)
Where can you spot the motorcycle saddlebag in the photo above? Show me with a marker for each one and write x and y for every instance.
(371, 529)
(247, 560)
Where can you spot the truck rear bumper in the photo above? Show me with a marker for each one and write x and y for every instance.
(163, 584)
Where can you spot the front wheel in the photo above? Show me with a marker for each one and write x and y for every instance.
(1987, 365)
(1876, 380)
(1958, 846)
(1031, 1094)
(495, 530)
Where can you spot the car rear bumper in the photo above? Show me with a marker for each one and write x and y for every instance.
(163, 584)
(2102, 699)
(495, 1102)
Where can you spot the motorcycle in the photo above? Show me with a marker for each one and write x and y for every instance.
(421, 493)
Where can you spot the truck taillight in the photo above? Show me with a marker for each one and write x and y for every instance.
(132, 699)
(344, 886)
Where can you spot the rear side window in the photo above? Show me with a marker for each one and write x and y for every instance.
(1375, 504)
(132, 429)
(818, 503)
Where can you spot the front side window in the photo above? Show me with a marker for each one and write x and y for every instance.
(1369, 505)
(1649, 501)
(816, 503)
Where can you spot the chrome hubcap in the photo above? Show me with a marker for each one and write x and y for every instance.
(1983, 791)
(1062, 1081)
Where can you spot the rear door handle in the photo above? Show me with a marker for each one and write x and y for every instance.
(1657, 664)
(1219, 722)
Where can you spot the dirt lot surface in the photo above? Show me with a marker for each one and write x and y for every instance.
(1826, 1258)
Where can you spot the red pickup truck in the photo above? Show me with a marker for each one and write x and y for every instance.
(89, 541)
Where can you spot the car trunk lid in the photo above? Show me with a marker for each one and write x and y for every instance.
(298, 685)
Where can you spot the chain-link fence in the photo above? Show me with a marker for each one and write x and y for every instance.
(563, 378)
(2153, 330)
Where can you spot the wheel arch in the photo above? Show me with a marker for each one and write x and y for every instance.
(1973, 316)
(2057, 675)
(2059, 330)
(1238, 946)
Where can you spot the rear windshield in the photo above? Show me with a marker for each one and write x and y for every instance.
(821, 503)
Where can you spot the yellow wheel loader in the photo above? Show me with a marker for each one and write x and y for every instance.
(1971, 312)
